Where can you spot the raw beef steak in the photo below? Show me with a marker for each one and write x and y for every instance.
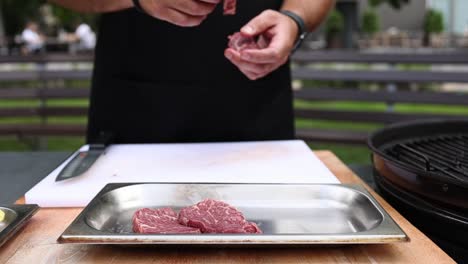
(230, 7)
(240, 42)
(159, 221)
(213, 216)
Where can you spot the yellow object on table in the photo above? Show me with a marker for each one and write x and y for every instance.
(2, 215)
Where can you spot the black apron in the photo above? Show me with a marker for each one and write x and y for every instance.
(155, 82)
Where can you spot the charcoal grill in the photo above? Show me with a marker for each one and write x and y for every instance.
(429, 158)
(421, 168)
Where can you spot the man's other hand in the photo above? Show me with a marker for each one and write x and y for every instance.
(281, 31)
(184, 13)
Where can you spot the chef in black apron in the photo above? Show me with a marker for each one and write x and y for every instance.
(157, 82)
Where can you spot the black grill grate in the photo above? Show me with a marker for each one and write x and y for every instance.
(446, 155)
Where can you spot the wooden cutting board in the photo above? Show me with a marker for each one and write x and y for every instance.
(247, 162)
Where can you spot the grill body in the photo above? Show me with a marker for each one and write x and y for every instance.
(448, 228)
(421, 168)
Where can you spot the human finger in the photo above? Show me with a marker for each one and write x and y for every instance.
(248, 66)
(181, 19)
(231, 56)
(211, 1)
(194, 7)
(259, 24)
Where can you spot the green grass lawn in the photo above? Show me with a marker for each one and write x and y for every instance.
(352, 154)
(349, 154)
(366, 106)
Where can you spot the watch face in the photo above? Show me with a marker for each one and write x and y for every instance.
(299, 41)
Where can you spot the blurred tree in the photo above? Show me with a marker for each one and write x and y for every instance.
(393, 3)
(17, 13)
(434, 21)
(334, 23)
(333, 28)
(433, 24)
(370, 22)
(67, 18)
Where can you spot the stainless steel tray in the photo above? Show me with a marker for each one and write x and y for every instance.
(287, 213)
(15, 218)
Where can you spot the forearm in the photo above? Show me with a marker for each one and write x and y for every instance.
(94, 6)
(312, 11)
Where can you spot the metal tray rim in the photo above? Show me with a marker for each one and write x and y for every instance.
(23, 213)
(79, 232)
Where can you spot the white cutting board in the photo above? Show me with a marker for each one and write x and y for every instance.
(247, 162)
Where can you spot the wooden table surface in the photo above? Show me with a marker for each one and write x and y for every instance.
(36, 243)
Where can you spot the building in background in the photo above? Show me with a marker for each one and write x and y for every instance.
(455, 14)
(410, 18)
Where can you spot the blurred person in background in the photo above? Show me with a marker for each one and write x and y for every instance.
(33, 40)
(84, 37)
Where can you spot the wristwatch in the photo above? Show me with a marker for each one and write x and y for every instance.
(301, 26)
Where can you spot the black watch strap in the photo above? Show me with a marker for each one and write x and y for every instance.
(137, 5)
(300, 24)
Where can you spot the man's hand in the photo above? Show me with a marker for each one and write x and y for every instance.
(282, 32)
(184, 13)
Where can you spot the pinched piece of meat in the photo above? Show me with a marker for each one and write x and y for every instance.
(159, 221)
(240, 42)
(230, 7)
(212, 216)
